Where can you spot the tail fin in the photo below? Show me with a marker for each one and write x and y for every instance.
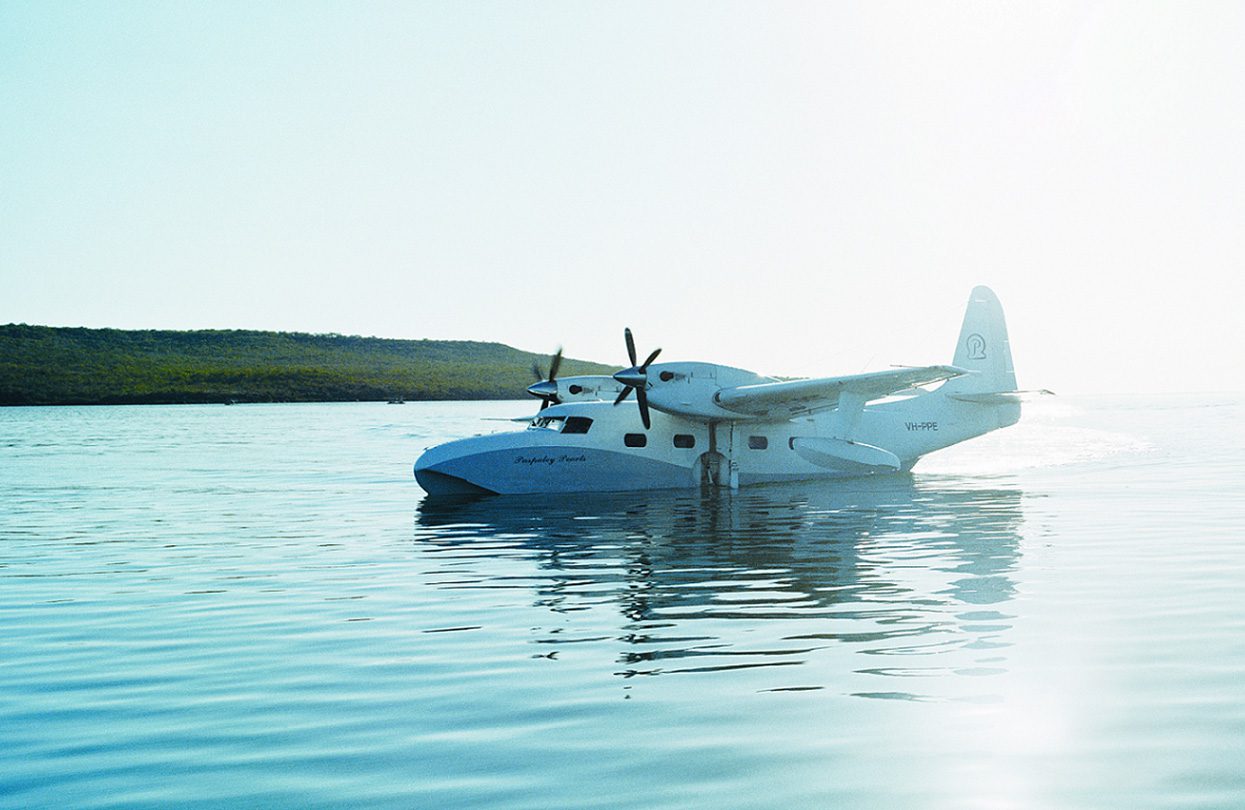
(983, 348)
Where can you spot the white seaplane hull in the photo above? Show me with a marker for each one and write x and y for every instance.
(717, 426)
(736, 454)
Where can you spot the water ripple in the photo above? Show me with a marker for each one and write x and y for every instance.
(253, 606)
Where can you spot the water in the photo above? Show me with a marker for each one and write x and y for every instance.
(251, 606)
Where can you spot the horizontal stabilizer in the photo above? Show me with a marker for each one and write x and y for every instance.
(845, 456)
(1000, 397)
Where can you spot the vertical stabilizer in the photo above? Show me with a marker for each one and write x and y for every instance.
(983, 348)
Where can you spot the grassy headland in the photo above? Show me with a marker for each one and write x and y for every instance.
(45, 365)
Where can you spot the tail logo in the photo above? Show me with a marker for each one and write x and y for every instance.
(976, 346)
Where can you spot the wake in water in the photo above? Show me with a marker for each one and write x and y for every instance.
(1047, 436)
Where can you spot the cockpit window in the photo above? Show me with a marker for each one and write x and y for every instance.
(561, 424)
(577, 424)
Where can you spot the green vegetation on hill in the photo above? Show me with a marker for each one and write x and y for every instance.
(44, 365)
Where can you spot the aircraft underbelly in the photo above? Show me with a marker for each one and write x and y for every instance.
(502, 473)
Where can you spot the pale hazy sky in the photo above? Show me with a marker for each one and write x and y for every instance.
(796, 188)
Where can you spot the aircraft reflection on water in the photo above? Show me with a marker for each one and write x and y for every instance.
(890, 566)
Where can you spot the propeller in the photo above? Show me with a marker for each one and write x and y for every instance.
(546, 389)
(636, 378)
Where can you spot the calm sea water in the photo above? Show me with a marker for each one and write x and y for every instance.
(253, 606)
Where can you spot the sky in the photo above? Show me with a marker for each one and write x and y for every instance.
(795, 188)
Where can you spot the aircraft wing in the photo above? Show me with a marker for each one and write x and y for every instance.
(799, 397)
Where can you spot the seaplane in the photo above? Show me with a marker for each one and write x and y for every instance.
(696, 424)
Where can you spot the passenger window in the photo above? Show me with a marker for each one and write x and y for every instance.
(757, 442)
(635, 440)
(684, 440)
(577, 424)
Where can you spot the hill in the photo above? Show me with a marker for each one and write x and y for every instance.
(44, 365)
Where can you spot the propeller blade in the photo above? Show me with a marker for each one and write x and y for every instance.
(537, 373)
(642, 397)
(623, 394)
(544, 403)
(555, 364)
(650, 359)
(630, 345)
